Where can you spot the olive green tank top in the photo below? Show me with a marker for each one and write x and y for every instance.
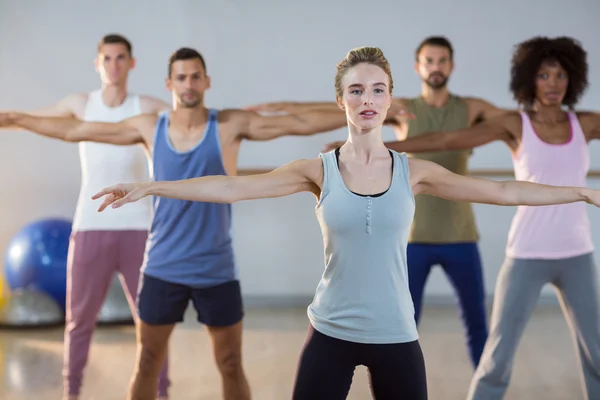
(437, 220)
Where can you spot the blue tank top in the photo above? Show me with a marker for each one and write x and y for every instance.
(189, 242)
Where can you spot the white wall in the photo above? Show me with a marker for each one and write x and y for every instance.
(263, 51)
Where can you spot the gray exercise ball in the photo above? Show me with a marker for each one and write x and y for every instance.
(115, 309)
(30, 308)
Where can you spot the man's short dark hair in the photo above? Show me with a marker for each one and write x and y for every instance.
(114, 38)
(439, 41)
(185, 53)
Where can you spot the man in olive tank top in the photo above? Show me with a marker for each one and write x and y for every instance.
(443, 232)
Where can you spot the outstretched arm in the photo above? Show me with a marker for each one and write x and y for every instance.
(484, 133)
(397, 113)
(65, 107)
(430, 178)
(499, 128)
(294, 107)
(74, 130)
(481, 110)
(295, 177)
(253, 126)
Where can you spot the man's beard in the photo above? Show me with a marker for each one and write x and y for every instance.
(190, 103)
(437, 84)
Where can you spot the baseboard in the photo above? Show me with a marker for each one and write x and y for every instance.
(283, 301)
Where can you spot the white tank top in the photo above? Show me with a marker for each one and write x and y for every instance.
(106, 165)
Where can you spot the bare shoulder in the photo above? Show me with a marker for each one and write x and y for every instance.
(417, 167)
(75, 104)
(510, 120)
(314, 173)
(478, 105)
(424, 173)
(588, 116)
(311, 169)
(235, 122)
(152, 104)
(418, 170)
(144, 125)
(312, 166)
(481, 110)
(510, 117)
(590, 123)
(143, 121)
(235, 116)
(77, 98)
(477, 101)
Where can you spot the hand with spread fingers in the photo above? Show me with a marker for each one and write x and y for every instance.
(121, 194)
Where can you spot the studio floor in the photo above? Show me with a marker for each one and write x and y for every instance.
(30, 361)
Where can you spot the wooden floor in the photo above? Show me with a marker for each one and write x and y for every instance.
(30, 361)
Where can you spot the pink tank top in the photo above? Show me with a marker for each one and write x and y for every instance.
(558, 231)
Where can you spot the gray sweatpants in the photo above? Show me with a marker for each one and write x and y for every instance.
(519, 284)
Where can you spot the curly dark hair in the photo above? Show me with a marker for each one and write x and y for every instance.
(531, 54)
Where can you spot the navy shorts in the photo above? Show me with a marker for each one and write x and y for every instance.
(162, 303)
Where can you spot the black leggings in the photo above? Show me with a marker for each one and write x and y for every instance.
(326, 368)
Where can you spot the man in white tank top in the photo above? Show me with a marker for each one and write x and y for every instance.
(102, 245)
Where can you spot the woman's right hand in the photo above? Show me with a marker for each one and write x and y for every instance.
(121, 194)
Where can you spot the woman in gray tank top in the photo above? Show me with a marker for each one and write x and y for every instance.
(362, 313)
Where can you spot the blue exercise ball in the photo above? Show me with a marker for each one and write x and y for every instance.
(36, 258)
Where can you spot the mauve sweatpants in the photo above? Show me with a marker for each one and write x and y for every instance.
(94, 258)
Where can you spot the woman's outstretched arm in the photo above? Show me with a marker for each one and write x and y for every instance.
(430, 178)
(297, 176)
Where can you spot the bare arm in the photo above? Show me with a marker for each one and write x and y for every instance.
(590, 123)
(127, 132)
(294, 107)
(484, 133)
(398, 108)
(430, 178)
(65, 107)
(253, 126)
(295, 177)
(481, 110)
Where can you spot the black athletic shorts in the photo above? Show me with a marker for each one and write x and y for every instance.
(161, 303)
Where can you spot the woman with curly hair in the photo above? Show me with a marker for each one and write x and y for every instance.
(549, 144)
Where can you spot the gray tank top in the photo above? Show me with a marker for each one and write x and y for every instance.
(363, 295)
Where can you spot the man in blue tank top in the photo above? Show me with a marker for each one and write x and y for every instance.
(189, 254)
